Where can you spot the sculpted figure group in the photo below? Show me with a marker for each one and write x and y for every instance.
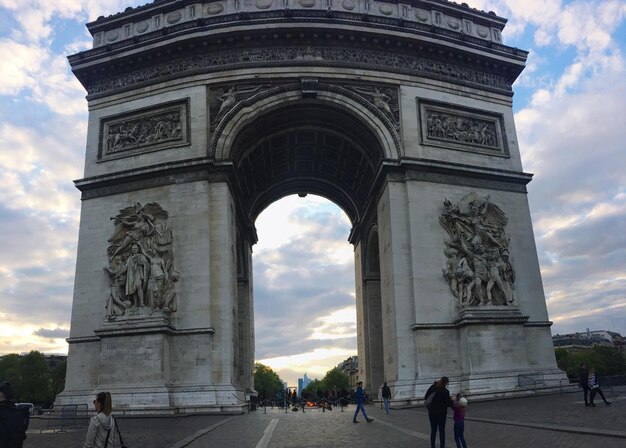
(141, 264)
(144, 131)
(477, 267)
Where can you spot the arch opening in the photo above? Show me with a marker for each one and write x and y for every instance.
(314, 147)
(306, 148)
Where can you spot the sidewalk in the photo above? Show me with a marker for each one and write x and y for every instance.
(544, 421)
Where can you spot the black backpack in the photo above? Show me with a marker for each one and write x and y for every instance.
(16, 423)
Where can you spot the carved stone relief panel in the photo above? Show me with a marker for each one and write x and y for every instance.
(478, 266)
(463, 129)
(141, 273)
(151, 129)
(382, 98)
(222, 99)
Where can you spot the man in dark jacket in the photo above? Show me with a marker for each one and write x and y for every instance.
(438, 410)
(386, 393)
(13, 421)
(583, 377)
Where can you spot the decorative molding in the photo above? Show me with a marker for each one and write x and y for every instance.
(156, 329)
(452, 127)
(380, 100)
(281, 55)
(487, 315)
(539, 323)
(309, 87)
(82, 339)
(154, 128)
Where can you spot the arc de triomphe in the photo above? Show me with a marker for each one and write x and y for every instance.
(202, 113)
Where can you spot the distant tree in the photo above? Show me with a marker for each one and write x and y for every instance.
(606, 361)
(562, 359)
(10, 368)
(266, 382)
(57, 378)
(336, 379)
(313, 387)
(34, 386)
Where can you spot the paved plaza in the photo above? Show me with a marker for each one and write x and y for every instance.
(544, 421)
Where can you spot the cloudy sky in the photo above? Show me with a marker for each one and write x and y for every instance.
(570, 113)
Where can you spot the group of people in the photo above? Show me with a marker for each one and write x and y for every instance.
(589, 383)
(438, 400)
(103, 431)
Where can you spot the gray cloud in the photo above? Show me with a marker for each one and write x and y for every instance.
(57, 333)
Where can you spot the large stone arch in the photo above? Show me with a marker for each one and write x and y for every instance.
(203, 113)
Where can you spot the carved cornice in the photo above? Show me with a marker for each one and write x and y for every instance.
(82, 339)
(477, 317)
(539, 323)
(156, 329)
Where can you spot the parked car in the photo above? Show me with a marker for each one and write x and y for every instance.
(29, 406)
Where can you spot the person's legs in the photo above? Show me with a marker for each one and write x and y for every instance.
(442, 431)
(586, 391)
(386, 403)
(356, 412)
(593, 395)
(433, 429)
(602, 395)
(459, 437)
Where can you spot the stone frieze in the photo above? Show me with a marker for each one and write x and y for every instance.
(296, 55)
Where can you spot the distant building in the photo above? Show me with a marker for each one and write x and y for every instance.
(303, 383)
(351, 368)
(588, 339)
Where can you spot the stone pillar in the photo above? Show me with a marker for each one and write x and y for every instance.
(397, 295)
(245, 316)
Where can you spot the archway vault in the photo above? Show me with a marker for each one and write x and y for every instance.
(328, 141)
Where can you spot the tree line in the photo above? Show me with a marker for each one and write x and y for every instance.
(32, 378)
(270, 386)
(606, 360)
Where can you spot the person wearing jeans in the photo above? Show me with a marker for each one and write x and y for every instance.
(359, 398)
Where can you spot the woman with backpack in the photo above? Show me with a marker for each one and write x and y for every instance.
(438, 401)
(103, 431)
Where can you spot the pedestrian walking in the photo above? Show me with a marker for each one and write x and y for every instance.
(103, 431)
(594, 385)
(386, 393)
(459, 406)
(13, 420)
(583, 378)
(438, 401)
(359, 397)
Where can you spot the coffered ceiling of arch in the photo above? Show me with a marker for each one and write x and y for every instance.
(306, 150)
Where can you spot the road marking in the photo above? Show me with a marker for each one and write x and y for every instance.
(267, 434)
(418, 435)
(187, 440)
